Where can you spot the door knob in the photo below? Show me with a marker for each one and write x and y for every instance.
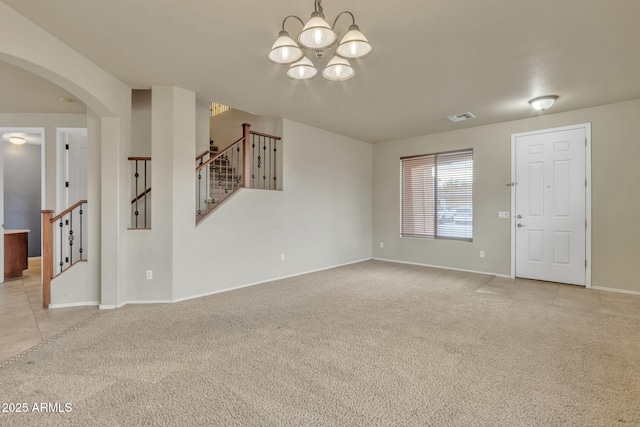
(519, 216)
(521, 225)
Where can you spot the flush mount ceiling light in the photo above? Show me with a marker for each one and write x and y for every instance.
(543, 102)
(18, 140)
(318, 36)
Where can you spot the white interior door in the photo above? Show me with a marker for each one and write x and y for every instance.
(550, 205)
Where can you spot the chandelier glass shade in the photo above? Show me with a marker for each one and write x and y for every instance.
(302, 70)
(318, 36)
(338, 70)
(285, 50)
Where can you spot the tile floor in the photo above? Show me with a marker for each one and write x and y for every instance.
(24, 323)
(568, 296)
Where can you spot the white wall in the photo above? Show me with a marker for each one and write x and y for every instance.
(321, 219)
(615, 174)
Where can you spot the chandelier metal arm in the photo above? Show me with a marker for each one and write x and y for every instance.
(291, 16)
(353, 18)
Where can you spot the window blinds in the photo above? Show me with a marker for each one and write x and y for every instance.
(437, 195)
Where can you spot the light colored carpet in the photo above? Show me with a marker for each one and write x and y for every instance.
(372, 343)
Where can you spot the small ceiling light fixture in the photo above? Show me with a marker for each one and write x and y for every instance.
(318, 36)
(18, 140)
(543, 102)
(66, 100)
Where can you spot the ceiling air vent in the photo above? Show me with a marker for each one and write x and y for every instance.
(461, 117)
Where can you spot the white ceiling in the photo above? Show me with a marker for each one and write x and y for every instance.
(431, 59)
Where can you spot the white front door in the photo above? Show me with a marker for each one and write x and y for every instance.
(550, 205)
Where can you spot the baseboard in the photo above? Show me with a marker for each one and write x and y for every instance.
(106, 307)
(74, 304)
(267, 281)
(621, 291)
(443, 268)
(164, 301)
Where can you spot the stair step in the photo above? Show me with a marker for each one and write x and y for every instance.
(225, 176)
(222, 169)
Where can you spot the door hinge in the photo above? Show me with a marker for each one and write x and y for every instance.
(585, 142)
(585, 263)
(585, 183)
(66, 184)
(585, 224)
(66, 146)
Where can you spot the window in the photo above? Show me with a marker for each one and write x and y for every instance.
(437, 195)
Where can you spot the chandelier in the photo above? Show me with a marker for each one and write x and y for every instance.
(318, 36)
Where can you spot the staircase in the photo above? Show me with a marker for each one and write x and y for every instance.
(250, 162)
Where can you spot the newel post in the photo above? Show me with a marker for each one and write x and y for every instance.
(47, 257)
(246, 158)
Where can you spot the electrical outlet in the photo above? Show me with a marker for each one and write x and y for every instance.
(149, 275)
(381, 245)
(481, 254)
(281, 257)
(503, 215)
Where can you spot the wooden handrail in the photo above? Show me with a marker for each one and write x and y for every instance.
(265, 135)
(139, 158)
(201, 155)
(141, 195)
(66, 211)
(217, 156)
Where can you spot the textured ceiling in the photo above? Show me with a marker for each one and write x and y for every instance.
(431, 59)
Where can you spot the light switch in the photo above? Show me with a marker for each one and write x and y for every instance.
(503, 215)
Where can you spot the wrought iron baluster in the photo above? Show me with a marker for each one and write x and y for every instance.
(226, 175)
(253, 156)
(61, 247)
(81, 250)
(136, 194)
(220, 159)
(275, 164)
(146, 212)
(264, 170)
(199, 191)
(270, 164)
(259, 161)
(71, 238)
(239, 168)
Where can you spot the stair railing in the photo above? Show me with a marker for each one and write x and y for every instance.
(141, 203)
(250, 162)
(218, 177)
(264, 157)
(63, 244)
